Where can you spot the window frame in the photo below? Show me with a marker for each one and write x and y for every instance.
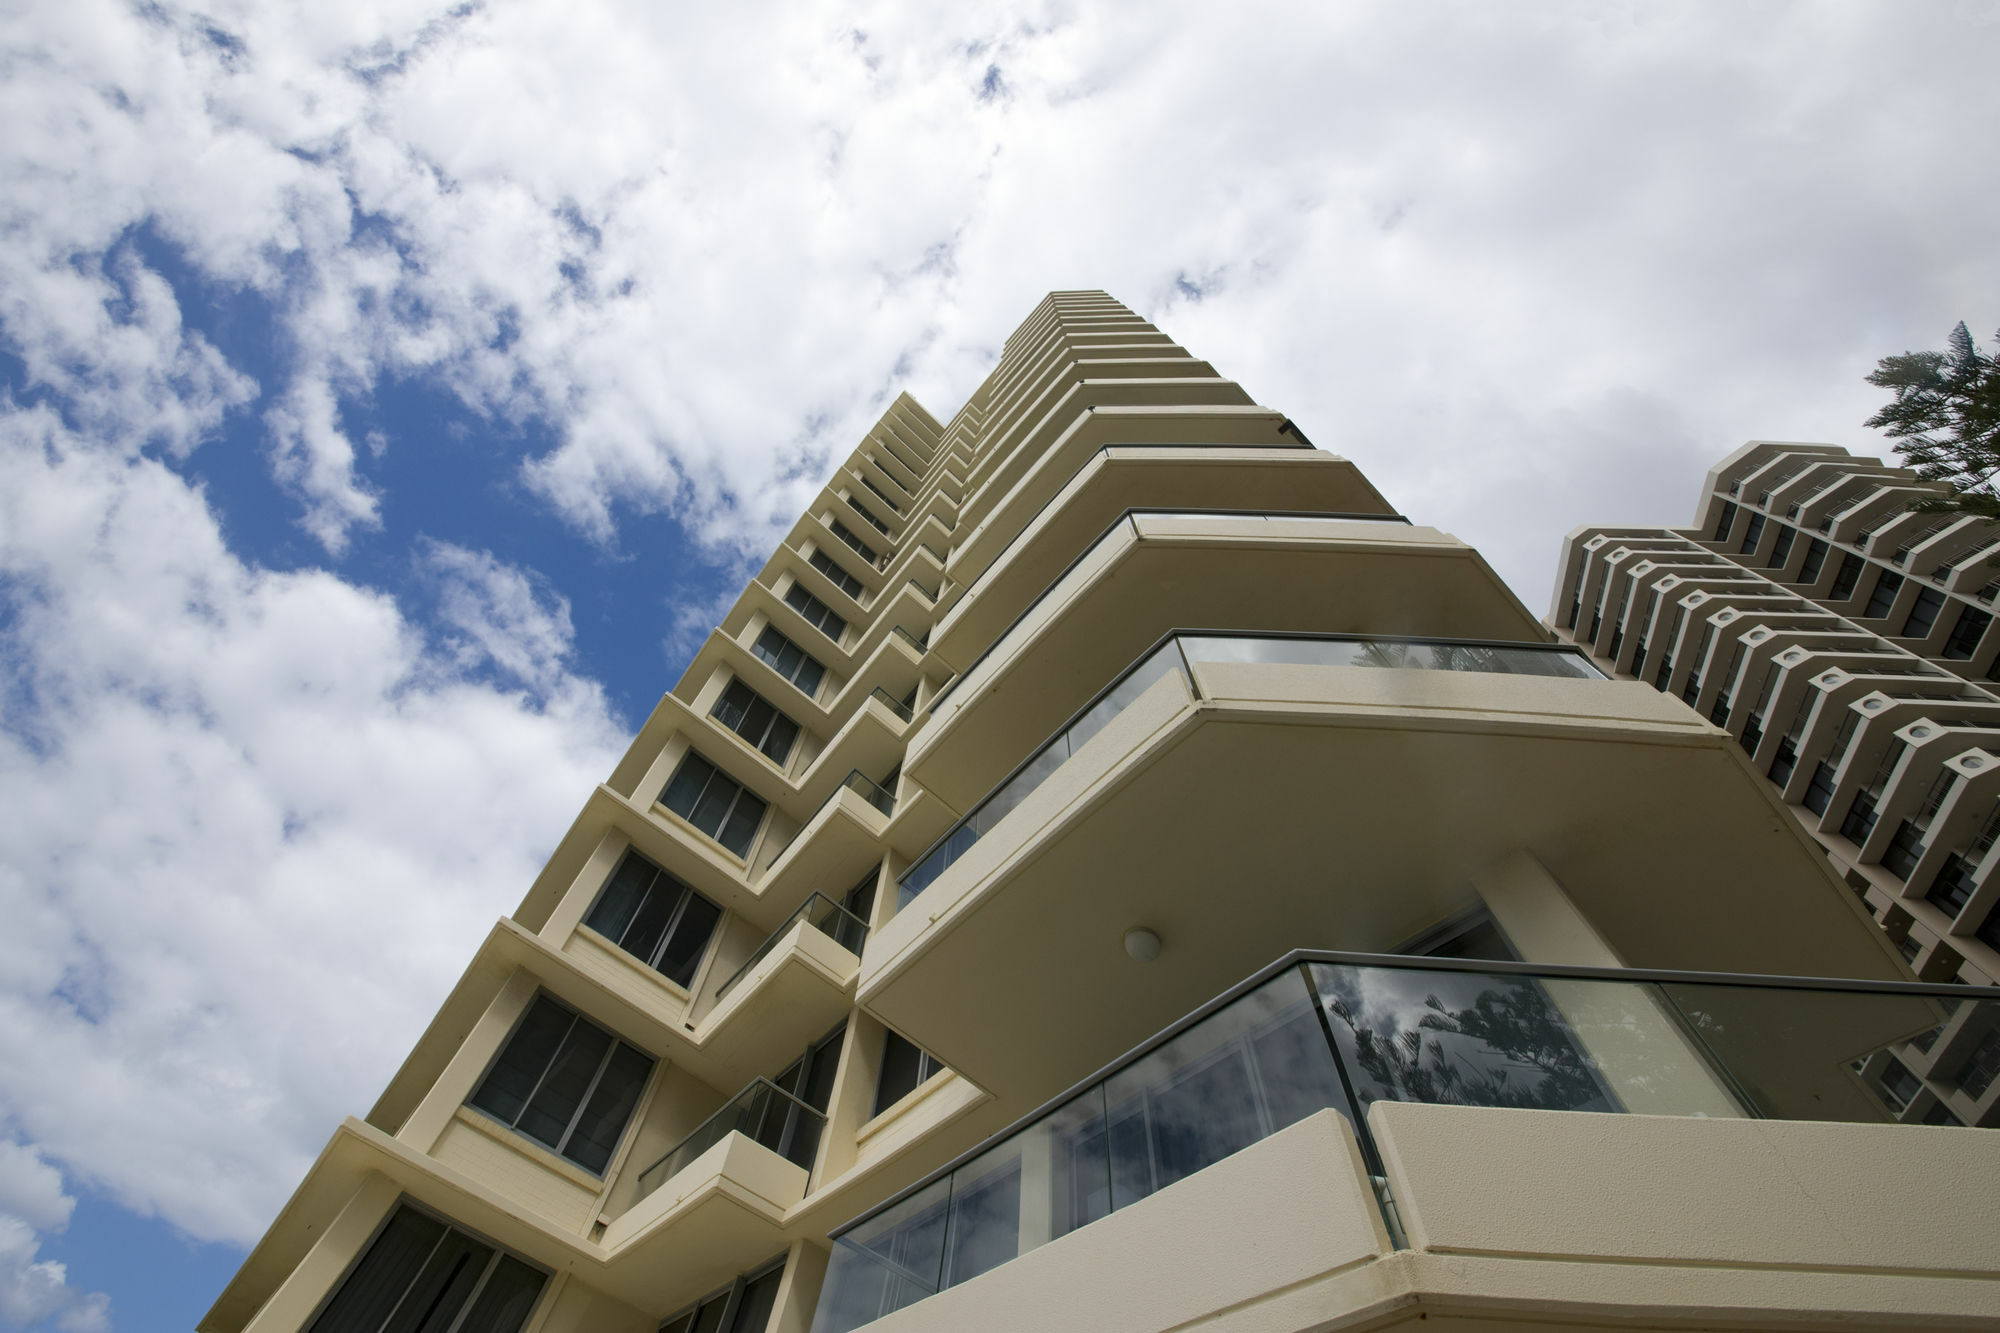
(819, 618)
(406, 1201)
(806, 659)
(836, 573)
(774, 726)
(729, 811)
(583, 1102)
(688, 895)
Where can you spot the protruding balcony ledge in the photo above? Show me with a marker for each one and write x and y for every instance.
(719, 1216)
(1358, 821)
(1152, 572)
(801, 987)
(1501, 1113)
(1026, 543)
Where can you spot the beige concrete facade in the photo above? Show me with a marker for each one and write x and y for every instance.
(1113, 654)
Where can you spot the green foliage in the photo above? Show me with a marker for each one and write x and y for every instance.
(1947, 415)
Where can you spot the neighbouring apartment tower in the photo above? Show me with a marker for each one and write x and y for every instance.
(1111, 871)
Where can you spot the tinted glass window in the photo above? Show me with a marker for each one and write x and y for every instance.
(421, 1275)
(654, 917)
(566, 1083)
(715, 803)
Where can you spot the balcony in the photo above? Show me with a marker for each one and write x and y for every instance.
(1151, 572)
(1239, 794)
(763, 1113)
(1477, 1117)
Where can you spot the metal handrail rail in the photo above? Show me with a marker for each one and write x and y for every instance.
(721, 1111)
(1420, 963)
(763, 950)
(894, 705)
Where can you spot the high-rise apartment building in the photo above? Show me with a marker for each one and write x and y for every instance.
(1110, 871)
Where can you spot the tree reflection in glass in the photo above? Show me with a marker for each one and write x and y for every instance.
(1458, 1038)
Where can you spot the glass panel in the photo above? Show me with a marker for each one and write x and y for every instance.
(1035, 1186)
(716, 801)
(686, 787)
(808, 676)
(556, 1101)
(506, 1301)
(603, 1120)
(892, 1260)
(621, 897)
(708, 1319)
(523, 1060)
(442, 1289)
(898, 1077)
(779, 740)
(682, 955)
(649, 923)
(748, 1113)
(760, 1297)
(1461, 1038)
(742, 825)
(1800, 1054)
(378, 1282)
(1238, 1076)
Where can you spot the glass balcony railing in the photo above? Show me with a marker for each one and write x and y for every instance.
(1179, 651)
(857, 781)
(763, 1112)
(824, 915)
(891, 702)
(1344, 1031)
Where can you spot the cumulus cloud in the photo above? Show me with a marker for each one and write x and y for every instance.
(230, 907)
(34, 1290)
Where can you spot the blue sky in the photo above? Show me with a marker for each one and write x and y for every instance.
(393, 397)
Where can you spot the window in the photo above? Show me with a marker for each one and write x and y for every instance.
(869, 515)
(1753, 532)
(842, 580)
(1923, 614)
(1906, 848)
(1849, 576)
(784, 1127)
(1899, 1083)
(1953, 887)
(1781, 549)
(744, 1306)
(817, 613)
(420, 1273)
(566, 1083)
(1982, 1067)
(1965, 635)
(1883, 599)
(715, 803)
(1727, 521)
(790, 661)
(654, 917)
(884, 496)
(1814, 562)
(904, 1068)
(745, 712)
(855, 544)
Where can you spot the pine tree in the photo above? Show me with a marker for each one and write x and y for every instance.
(1947, 415)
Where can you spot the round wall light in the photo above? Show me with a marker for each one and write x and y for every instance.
(1142, 944)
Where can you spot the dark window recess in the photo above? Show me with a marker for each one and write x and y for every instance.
(1906, 847)
(883, 496)
(1883, 599)
(1953, 887)
(1820, 790)
(744, 1306)
(1899, 1083)
(784, 1127)
(790, 661)
(1989, 929)
(830, 567)
(1924, 614)
(860, 905)
(1940, 1114)
(1814, 562)
(565, 1082)
(1965, 635)
(1575, 610)
(1982, 1066)
(751, 716)
(654, 917)
(1785, 761)
(855, 544)
(904, 1067)
(420, 1273)
(869, 515)
(1860, 821)
(1726, 522)
(1848, 578)
(1781, 549)
(817, 613)
(1753, 532)
(715, 803)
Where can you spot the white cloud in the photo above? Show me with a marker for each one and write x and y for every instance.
(35, 1290)
(230, 905)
